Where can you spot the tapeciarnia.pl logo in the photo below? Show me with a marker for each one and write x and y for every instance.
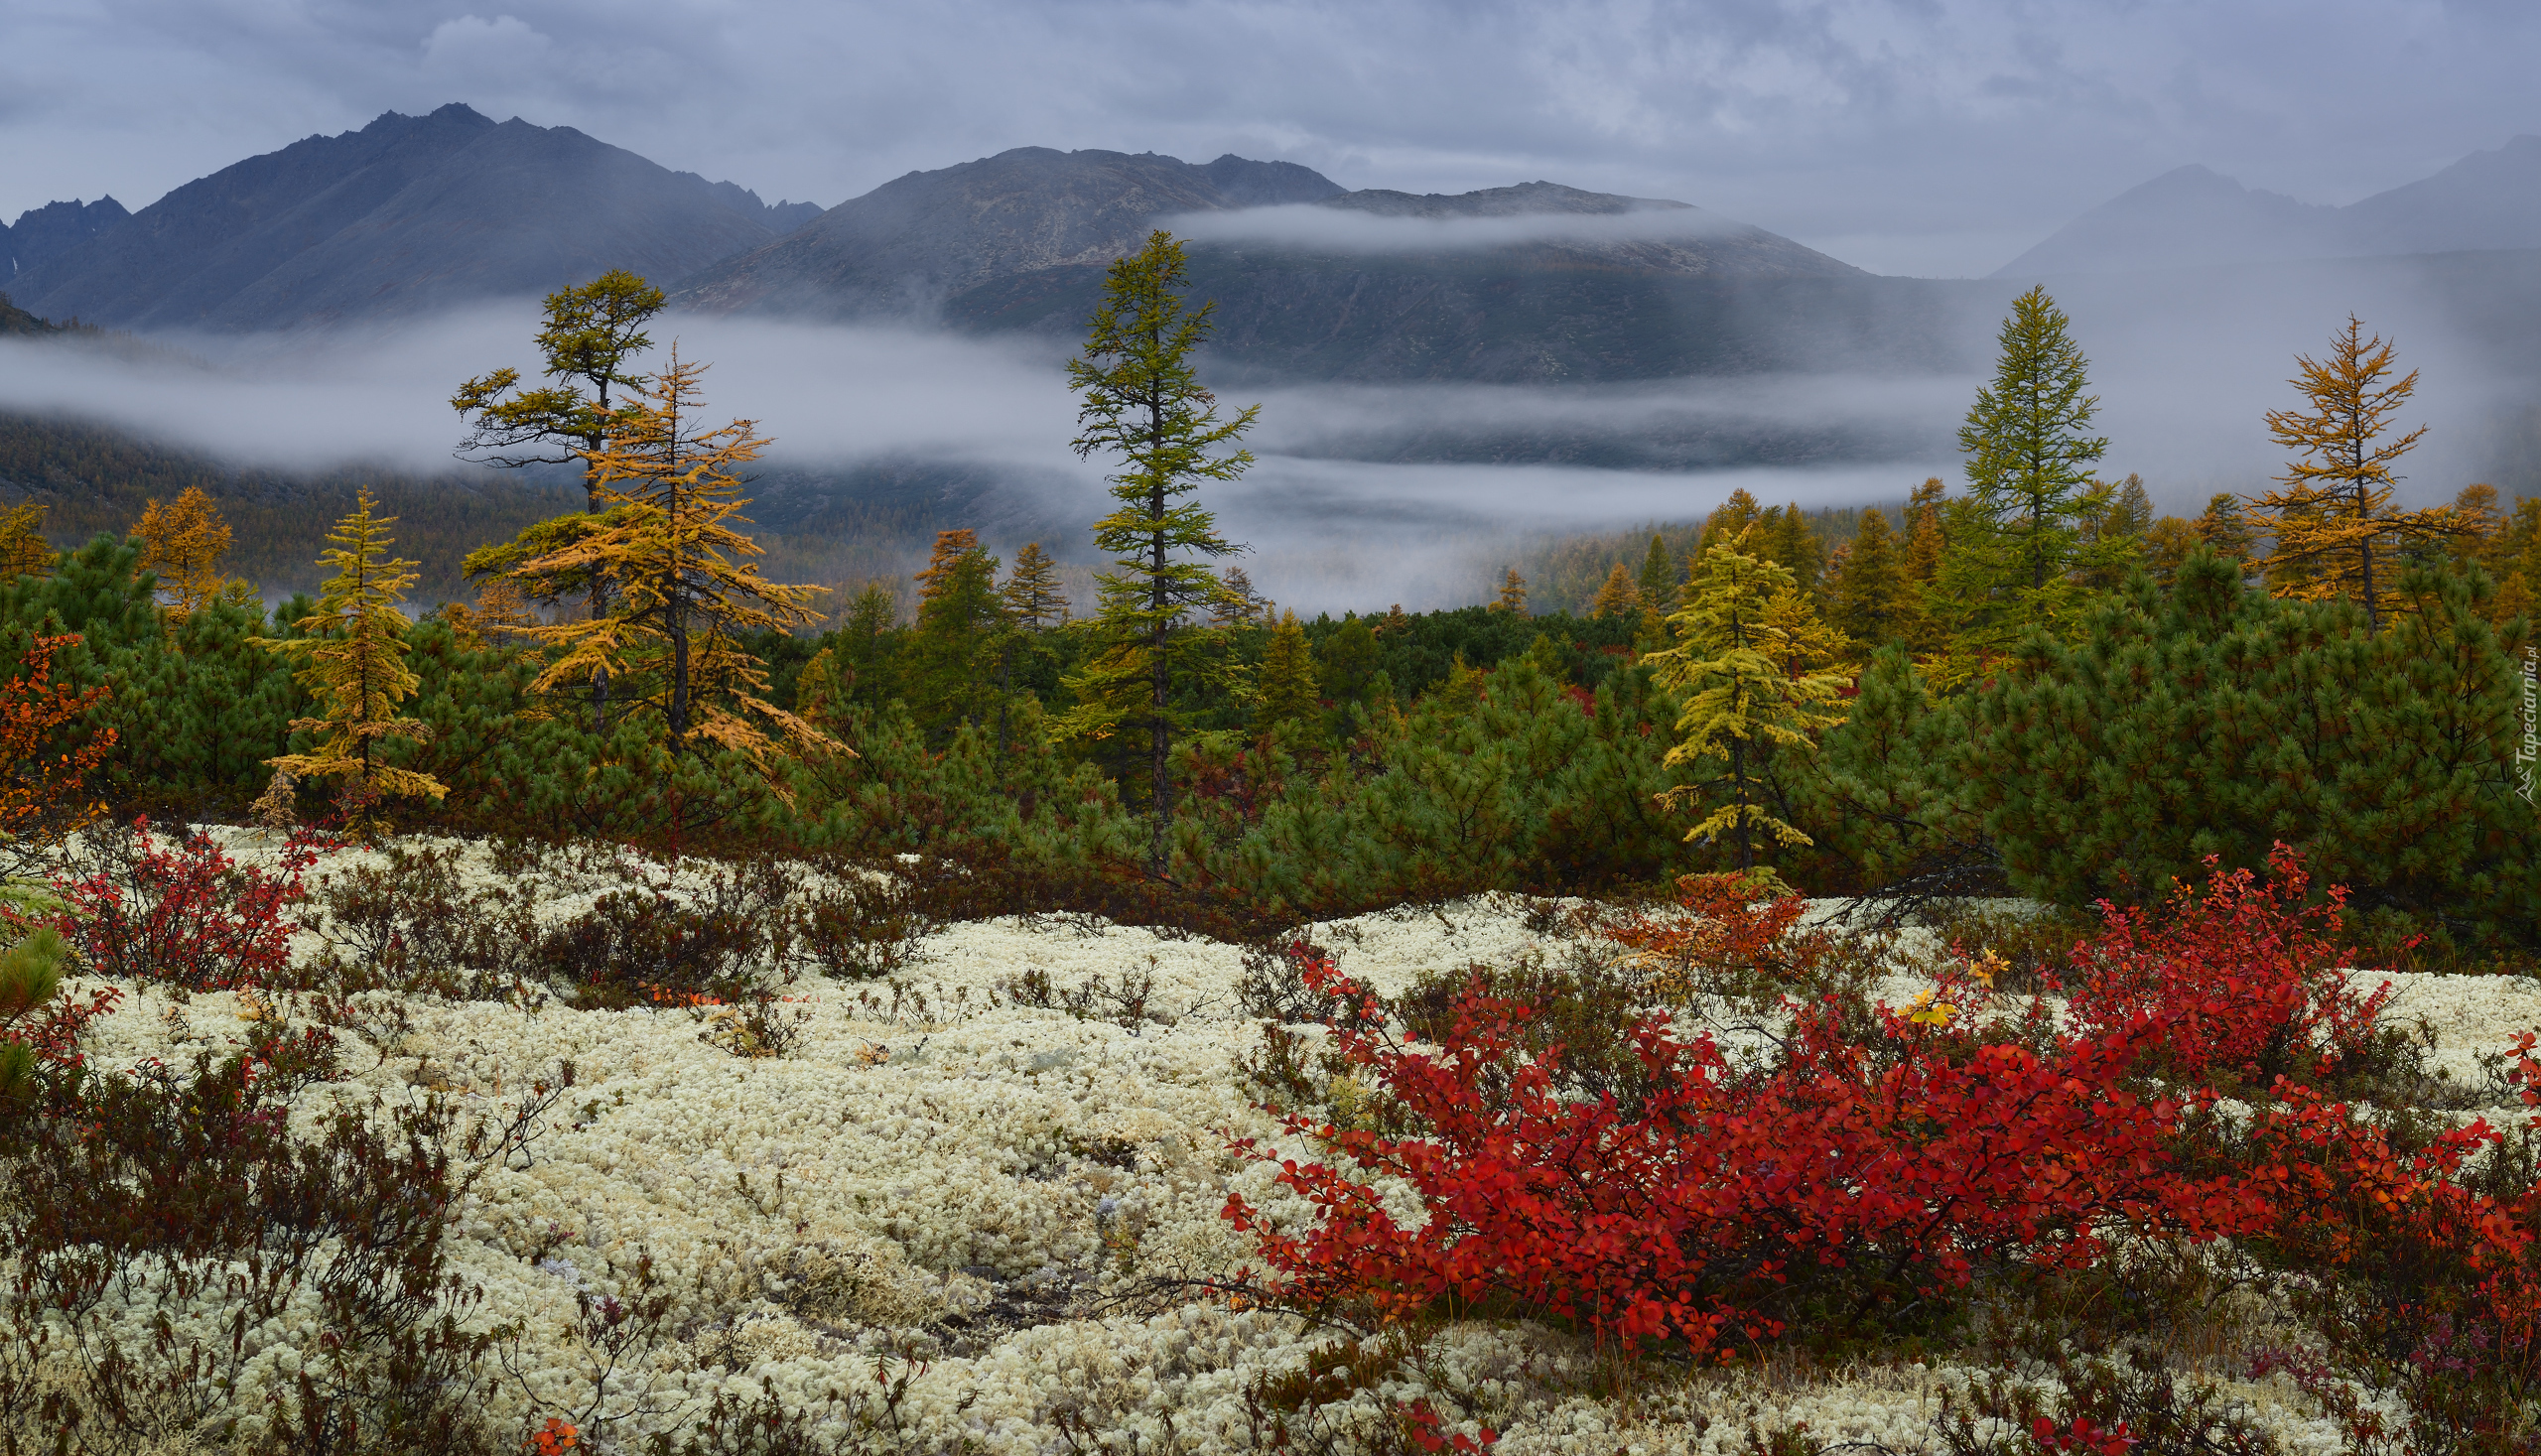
(2532, 745)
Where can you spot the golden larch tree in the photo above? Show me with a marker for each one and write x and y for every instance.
(183, 542)
(1620, 597)
(353, 655)
(2335, 530)
(679, 589)
(24, 551)
(1751, 668)
(1513, 594)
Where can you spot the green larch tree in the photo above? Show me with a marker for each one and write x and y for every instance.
(1658, 577)
(1873, 598)
(1140, 403)
(2114, 534)
(1788, 538)
(1286, 682)
(1726, 520)
(352, 656)
(955, 670)
(2029, 462)
(2223, 527)
(590, 334)
(1032, 595)
(1925, 538)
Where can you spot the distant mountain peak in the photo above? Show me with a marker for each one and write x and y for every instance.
(406, 214)
(44, 233)
(2192, 216)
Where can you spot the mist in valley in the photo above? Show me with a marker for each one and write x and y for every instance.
(1363, 494)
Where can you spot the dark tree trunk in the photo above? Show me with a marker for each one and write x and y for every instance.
(599, 588)
(1160, 737)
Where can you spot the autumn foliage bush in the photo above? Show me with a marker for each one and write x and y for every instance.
(1859, 1166)
(2268, 998)
(47, 760)
(178, 908)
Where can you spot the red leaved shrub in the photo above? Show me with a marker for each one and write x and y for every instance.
(2242, 977)
(1872, 1157)
(180, 909)
(43, 758)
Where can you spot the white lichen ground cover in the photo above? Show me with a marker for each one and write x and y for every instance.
(998, 1188)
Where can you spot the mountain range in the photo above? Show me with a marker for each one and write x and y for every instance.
(921, 243)
(407, 214)
(2194, 216)
(1536, 283)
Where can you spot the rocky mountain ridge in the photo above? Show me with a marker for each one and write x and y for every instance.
(916, 246)
(45, 233)
(409, 214)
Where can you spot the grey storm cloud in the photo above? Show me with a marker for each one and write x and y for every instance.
(1919, 136)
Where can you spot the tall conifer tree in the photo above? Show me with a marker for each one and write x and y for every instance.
(1874, 600)
(1031, 591)
(1792, 541)
(1619, 597)
(2028, 466)
(1726, 520)
(2336, 532)
(1740, 704)
(1288, 685)
(960, 620)
(1924, 540)
(678, 587)
(353, 655)
(590, 334)
(183, 541)
(2223, 527)
(1513, 594)
(1658, 578)
(1140, 402)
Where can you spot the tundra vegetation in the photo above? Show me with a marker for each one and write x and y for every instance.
(2032, 975)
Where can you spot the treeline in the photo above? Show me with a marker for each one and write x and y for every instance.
(92, 479)
(1565, 573)
(2034, 686)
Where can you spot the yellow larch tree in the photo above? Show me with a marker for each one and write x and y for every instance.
(183, 541)
(1513, 594)
(352, 651)
(2335, 530)
(1620, 597)
(1751, 668)
(679, 587)
(24, 551)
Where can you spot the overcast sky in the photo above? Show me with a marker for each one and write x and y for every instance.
(1937, 137)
